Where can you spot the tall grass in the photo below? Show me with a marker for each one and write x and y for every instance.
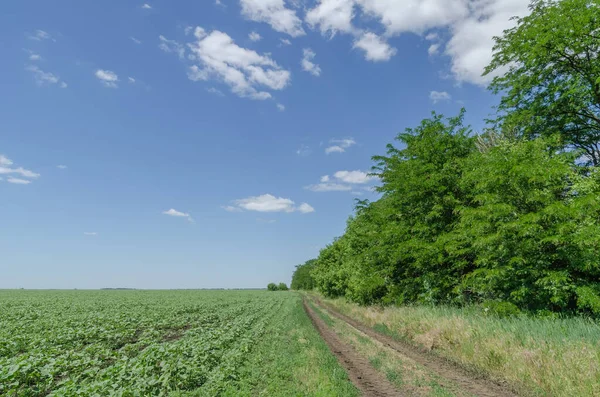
(537, 356)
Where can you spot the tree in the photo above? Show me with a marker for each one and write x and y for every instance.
(302, 277)
(282, 287)
(272, 287)
(548, 71)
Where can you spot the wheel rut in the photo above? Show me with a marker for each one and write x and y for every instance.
(445, 369)
(370, 382)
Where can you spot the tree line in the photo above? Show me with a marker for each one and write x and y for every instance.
(509, 216)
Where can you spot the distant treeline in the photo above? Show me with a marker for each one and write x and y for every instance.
(509, 216)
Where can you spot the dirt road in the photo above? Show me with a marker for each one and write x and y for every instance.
(372, 383)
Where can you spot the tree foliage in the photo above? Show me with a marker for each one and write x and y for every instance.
(513, 221)
(302, 278)
(548, 71)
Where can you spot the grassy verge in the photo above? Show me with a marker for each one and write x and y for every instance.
(290, 359)
(540, 357)
(399, 370)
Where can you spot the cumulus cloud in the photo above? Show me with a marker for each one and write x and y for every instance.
(34, 57)
(146, 6)
(13, 172)
(274, 13)
(342, 181)
(285, 42)
(307, 62)
(108, 78)
(178, 214)
(439, 96)
(305, 208)
(39, 35)
(354, 177)
(269, 203)
(339, 145)
(18, 181)
(332, 16)
(90, 233)
(171, 46)
(215, 91)
(280, 107)
(45, 78)
(131, 80)
(376, 49)
(471, 24)
(253, 36)
(62, 167)
(5, 160)
(245, 71)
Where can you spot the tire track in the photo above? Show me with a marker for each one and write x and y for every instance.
(370, 382)
(438, 365)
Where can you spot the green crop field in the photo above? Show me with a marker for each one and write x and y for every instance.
(162, 343)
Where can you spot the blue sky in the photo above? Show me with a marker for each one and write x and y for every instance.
(198, 144)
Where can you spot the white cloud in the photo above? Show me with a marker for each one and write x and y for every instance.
(107, 77)
(305, 208)
(5, 160)
(415, 16)
(343, 181)
(90, 233)
(470, 47)
(179, 214)
(147, 6)
(376, 49)
(245, 71)
(62, 167)
(332, 16)
(334, 149)
(280, 107)
(215, 91)
(34, 57)
(39, 35)
(354, 177)
(328, 187)
(253, 36)
(340, 145)
(307, 64)
(44, 78)
(285, 42)
(472, 24)
(303, 150)
(231, 208)
(63, 84)
(274, 13)
(5, 169)
(433, 49)
(270, 203)
(131, 80)
(20, 171)
(171, 46)
(431, 36)
(438, 96)
(136, 41)
(18, 181)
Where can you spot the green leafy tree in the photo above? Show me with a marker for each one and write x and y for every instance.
(302, 278)
(272, 287)
(282, 287)
(548, 71)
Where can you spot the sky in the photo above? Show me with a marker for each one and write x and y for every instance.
(213, 144)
